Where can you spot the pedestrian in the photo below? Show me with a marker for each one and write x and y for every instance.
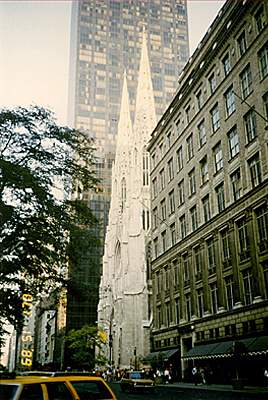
(195, 375)
(202, 376)
(166, 376)
(208, 375)
(158, 373)
(104, 375)
(265, 374)
(170, 375)
(186, 377)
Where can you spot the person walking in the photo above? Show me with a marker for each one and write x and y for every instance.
(195, 375)
(170, 375)
(202, 376)
(208, 375)
(166, 376)
(265, 374)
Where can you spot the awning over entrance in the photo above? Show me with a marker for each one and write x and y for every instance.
(165, 354)
(200, 351)
(257, 345)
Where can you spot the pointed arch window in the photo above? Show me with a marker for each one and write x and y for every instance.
(136, 156)
(145, 168)
(118, 266)
(145, 220)
(123, 192)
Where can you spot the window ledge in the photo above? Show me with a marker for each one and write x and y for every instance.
(229, 116)
(217, 172)
(204, 184)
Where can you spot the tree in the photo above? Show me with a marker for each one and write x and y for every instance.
(44, 225)
(83, 343)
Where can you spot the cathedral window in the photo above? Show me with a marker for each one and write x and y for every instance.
(145, 168)
(145, 220)
(123, 192)
(118, 257)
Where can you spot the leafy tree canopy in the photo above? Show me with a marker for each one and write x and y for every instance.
(44, 226)
(83, 344)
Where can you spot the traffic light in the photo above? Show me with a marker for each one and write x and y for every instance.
(135, 351)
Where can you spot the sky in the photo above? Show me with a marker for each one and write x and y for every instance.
(34, 50)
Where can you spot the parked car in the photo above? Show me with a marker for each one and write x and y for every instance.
(136, 381)
(67, 387)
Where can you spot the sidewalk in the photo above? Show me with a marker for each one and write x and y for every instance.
(221, 388)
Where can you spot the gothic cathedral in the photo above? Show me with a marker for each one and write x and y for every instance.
(123, 310)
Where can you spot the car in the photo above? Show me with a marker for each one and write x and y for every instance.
(136, 381)
(69, 387)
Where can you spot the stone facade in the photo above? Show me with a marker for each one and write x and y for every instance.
(209, 170)
(123, 310)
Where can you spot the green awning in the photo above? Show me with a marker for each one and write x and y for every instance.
(259, 346)
(253, 346)
(222, 349)
(165, 354)
(199, 352)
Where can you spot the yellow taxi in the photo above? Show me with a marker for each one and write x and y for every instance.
(69, 387)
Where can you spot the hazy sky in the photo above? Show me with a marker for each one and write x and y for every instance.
(34, 50)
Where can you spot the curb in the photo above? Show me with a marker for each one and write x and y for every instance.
(219, 388)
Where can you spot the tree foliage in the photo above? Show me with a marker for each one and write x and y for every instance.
(83, 344)
(44, 225)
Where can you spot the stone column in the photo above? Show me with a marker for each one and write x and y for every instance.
(235, 264)
(192, 283)
(181, 283)
(253, 255)
(207, 310)
(220, 284)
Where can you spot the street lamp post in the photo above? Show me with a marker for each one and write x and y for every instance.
(135, 357)
(110, 346)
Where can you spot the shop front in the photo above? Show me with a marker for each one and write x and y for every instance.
(244, 359)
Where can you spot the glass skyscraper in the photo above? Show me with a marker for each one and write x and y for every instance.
(106, 38)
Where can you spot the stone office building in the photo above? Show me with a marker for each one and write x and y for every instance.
(209, 174)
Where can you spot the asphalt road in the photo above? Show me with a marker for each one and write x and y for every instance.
(174, 393)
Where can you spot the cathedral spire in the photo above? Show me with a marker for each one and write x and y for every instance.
(124, 124)
(125, 260)
(145, 117)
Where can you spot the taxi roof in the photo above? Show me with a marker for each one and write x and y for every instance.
(48, 378)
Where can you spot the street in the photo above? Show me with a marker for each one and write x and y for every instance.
(177, 393)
